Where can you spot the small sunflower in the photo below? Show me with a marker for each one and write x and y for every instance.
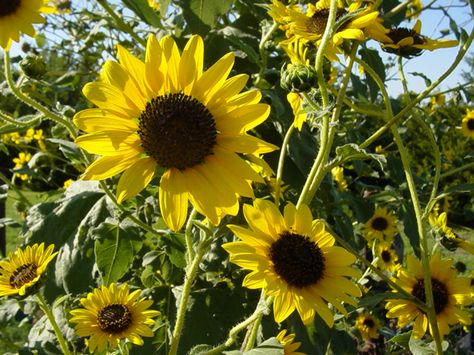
(468, 124)
(410, 43)
(154, 4)
(167, 113)
(289, 347)
(449, 292)
(368, 326)
(21, 272)
(382, 226)
(293, 259)
(111, 314)
(387, 257)
(449, 239)
(18, 16)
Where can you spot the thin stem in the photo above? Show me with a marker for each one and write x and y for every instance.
(457, 170)
(8, 119)
(402, 77)
(281, 162)
(263, 53)
(123, 26)
(49, 314)
(30, 102)
(422, 95)
(253, 333)
(20, 194)
(188, 233)
(191, 273)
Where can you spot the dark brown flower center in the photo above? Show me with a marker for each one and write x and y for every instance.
(24, 274)
(114, 318)
(386, 256)
(369, 323)
(177, 131)
(297, 260)
(470, 124)
(317, 23)
(9, 7)
(379, 223)
(440, 293)
(399, 33)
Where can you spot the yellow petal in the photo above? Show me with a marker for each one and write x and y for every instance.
(190, 65)
(135, 178)
(173, 199)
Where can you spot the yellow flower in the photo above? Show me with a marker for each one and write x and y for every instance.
(338, 176)
(449, 239)
(368, 326)
(167, 114)
(296, 103)
(410, 43)
(414, 8)
(39, 137)
(20, 273)
(449, 292)
(20, 162)
(18, 16)
(293, 259)
(111, 314)
(67, 183)
(468, 124)
(154, 4)
(382, 226)
(387, 257)
(289, 347)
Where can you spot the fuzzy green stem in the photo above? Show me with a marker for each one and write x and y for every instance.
(123, 26)
(456, 170)
(416, 206)
(281, 162)
(32, 103)
(188, 234)
(191, 273)
(20, 194)
(49, 314)
(263, 53)
(8, 119)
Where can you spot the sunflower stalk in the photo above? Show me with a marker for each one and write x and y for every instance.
(416, 206)
(263, 52)
(281, 162)
(49, 314)
(251, 335)
(8, 119)
(32, 103)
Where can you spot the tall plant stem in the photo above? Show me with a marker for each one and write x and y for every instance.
(8, 119)
(281, 162)
(416, 206)
(49, 314)
(32, 103)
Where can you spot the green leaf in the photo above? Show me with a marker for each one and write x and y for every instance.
(142, 10)
(200, 349)
(115, 249)
(402, 339)
(68, 148)
(351, 151)
(410, 227)
(269, 347)
(174, 245)
(422, 347)
(425, 78)
(372, 58)
(202, 15)
(373, 300)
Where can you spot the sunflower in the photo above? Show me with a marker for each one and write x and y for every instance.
(289, 347)
(449, 239)
(21, 272)
(338, 176)
(368, 326)
(468, 124)
(111, 314)
(382, 226)
(18, 16)
(449, 292)
(410, 43)
(387, 257)
(294, 260)
(167, 113)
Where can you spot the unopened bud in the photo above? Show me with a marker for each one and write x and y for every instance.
(33, 66)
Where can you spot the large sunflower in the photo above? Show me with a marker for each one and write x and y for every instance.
(111, 314)
(449, 292)
(166, 114)
(382, 226)
(18, 16)
(21, 271)
(293, 259)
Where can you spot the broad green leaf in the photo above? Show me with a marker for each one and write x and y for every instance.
(402, 339)
(373, 300)
(115, 249)
(269, 347)
(174, 245)
(372, 58)
(142, 10)
(410, 227)
(422, 347)
(342, 343)
(351, 151)
(202, 15)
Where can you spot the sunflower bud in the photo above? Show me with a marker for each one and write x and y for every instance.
(33, 66)
(298, 78)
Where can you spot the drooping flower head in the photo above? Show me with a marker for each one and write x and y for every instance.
(449, 293)
(111, 314)
(293, 259)
(382, 226)
(18, 16)
(21, 272)
(368, 326)
(467, 126)
(168, 114)
(410, 43)
(289, 347)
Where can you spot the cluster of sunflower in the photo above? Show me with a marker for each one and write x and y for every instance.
(166, 119)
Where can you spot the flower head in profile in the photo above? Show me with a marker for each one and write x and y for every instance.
(467, 126)
(449, 293)
(18, 16)
(167, 115)
(410, 43)
(449, 239)
(21, 272)
(287, 341)
(293, 259)
(382, 226)
(368, 326)
(111, 314)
